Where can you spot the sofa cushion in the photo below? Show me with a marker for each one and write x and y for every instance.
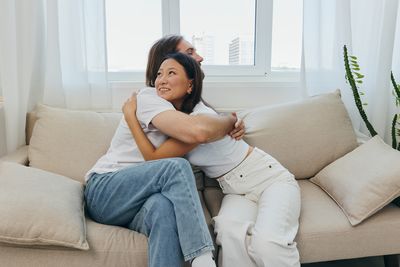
(325, 234)
(304, 136)
(109, 246)
(70, 142)
(40, 208)
(364, 180)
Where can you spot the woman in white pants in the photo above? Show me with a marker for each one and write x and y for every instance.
(259, 218)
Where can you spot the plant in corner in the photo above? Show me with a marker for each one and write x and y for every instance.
(354, 77)
(396, 117)
(353, 69)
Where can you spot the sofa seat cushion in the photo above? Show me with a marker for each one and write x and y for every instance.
(109, 246)
(325, 233)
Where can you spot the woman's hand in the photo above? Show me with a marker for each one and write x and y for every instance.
(130, 105)
(239, 130)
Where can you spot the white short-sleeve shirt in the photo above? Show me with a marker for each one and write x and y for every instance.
(218, 157)
(123, 150)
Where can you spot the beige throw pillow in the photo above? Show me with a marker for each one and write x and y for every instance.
(69, 142)
(364, 180)
(305, 136)
(40, 208)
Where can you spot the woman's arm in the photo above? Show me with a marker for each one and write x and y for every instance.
(170, 148)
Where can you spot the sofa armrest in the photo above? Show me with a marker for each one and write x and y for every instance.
(19, 156)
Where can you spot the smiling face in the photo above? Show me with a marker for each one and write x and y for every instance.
(172, 82)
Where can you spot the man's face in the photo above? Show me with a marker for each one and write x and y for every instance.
(187, 48)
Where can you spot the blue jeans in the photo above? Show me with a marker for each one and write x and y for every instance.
(158, 199)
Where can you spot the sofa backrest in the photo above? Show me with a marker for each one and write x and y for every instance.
(69, 142)
(305, 136)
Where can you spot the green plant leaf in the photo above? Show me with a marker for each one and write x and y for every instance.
(356, 68)
(359, 75)
(365, 104)
(354, 88)
(353, 61)
(353, 57)
(361, 93)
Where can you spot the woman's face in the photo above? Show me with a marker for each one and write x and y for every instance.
(172, 83)
(187, 48)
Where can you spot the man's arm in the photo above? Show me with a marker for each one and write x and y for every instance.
(168, 149)
(190, 129)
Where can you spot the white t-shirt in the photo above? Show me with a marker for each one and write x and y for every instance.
(123, 150)
(218, 157)
(215, 158)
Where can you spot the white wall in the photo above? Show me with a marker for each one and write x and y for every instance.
(231, 96)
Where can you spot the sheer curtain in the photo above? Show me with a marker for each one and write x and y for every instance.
(368, 28)
(76, 67)
(51, 52)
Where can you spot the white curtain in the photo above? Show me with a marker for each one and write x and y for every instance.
(368, 29)
(51, 52)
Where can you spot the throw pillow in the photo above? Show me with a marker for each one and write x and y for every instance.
(364, 180)
(304, 136)
(40, 208)
(69, 142)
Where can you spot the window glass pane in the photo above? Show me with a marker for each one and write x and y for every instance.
(222, 31)
(132, 27)
(286, 34)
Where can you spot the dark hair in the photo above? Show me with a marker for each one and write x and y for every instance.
(160, 49)
(164, 46)
(194, 73)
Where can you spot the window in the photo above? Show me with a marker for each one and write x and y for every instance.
(226, 36)
(235, 37)
(286, 35)
(132, 27)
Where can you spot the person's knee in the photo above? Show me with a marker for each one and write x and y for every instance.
(160, 208)
(180, 164)
(181, 171)
(269, 252)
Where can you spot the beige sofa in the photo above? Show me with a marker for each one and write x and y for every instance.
(305, 136)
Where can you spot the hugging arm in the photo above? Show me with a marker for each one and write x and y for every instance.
(195, 129)
(191, 129)
(170, 148)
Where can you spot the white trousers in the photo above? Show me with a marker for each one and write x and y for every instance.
(257, 227)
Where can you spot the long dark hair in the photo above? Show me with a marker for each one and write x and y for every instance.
(164, 46)
(194, 73)
(161, 48)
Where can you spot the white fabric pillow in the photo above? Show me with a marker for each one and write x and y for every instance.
(364, 180)
(40, 208)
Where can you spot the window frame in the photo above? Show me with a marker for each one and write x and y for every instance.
(260, 71)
